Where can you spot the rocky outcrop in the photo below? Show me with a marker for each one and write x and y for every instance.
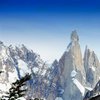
(72, 70)
(92, 67)
(15, 62)
(70, 78)
(93, 94)
(78, 75)
(75, 51)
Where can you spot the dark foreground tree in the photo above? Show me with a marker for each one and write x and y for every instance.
(36, 99)
(95, 98)
(17, 91)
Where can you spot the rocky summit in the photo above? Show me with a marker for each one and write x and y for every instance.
(73, 77)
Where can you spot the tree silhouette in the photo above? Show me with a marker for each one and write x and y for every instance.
(95, 98)
(17, 91)
(36, 99)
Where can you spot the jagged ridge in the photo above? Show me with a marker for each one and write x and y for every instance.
(69, 78)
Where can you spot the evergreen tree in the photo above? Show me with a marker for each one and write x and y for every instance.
(36, 99)
(16, 91)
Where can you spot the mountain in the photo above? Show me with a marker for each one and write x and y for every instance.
(78, 74)
(70, 78)
(92, 67)
(73, 73)
(17, 61)
(95, 93)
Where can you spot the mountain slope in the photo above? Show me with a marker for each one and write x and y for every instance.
(73, 73)
(16, 62)
(70, 78)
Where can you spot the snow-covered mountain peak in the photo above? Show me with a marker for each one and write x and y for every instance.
(16, 62)
(66, 79)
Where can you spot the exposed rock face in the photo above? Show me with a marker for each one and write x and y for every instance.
(78, 75)
(94, 94)
(75, 51)
(92, 67)
(72, 70)
(74, 36)
(15, 62)
(67, 79)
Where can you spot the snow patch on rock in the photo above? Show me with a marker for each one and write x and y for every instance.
(58, 98)
(73, 73)
(89, 88)
(79, 86)
(12, 77)
(93, 68)
(23, 68)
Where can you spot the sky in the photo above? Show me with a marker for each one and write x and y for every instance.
(45, 25)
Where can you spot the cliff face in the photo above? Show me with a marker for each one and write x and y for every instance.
(93, 94)
(92, 67)
(73, 73)
(78, 74)
(70, 78)
(17, 61)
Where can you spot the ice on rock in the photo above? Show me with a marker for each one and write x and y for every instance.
(68, 73)
(23, 68)
(79, 86)
(93, 68)
(58, 98)
(16, 62)
(89, 88)
(35, 69)
(73, 73)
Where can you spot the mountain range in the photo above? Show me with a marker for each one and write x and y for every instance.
(73, 77)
